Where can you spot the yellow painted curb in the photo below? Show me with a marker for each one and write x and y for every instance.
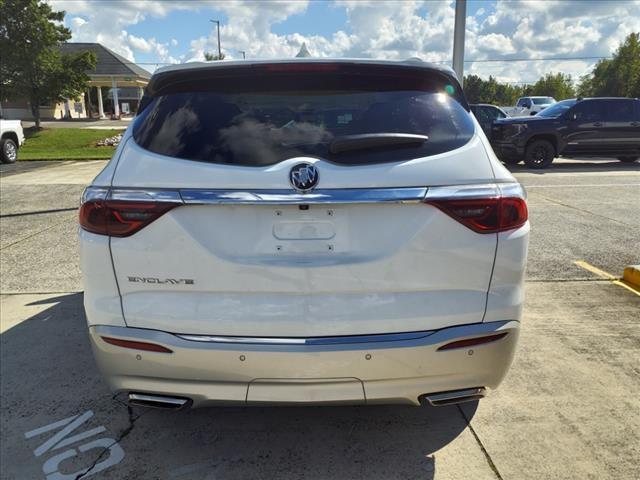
(621, 282)
(631, 275)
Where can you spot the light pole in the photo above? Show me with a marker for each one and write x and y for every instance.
(243, 54)
(458, 38)
(217, 22)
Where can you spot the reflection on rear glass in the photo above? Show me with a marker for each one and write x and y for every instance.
(263, 128)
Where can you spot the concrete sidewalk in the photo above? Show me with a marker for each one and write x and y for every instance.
(105, 124)
(51, 172)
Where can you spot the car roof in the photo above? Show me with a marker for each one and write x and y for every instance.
(166, 75)
(602, 98)
(410, 62)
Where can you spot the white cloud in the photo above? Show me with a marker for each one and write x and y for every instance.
(149, 45)
(496, 43)
(551, 29)
(106, 21)
(77, 22)
(139, 43)
(380, 29)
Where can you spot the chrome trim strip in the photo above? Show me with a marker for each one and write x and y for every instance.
(457, 396)
(291, 197)
(178, 402)
(94, 193)
(513, 190)
(423, 338)
(322, 196)
(462, 192)
(338, 340)
(142, 195)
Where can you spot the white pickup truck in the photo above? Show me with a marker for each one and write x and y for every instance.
(526, 106)
(11, 138)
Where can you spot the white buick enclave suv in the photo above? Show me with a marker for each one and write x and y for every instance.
(303, 232)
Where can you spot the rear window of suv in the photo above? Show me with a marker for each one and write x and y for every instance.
(543, 100)
(261, 115)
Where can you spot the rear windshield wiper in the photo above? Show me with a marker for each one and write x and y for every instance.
(370, 141)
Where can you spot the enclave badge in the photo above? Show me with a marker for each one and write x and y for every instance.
(304, 177)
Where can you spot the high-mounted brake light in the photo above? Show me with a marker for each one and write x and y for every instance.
(149, 347)
(301, 67)
(485, 215)
(119, 218)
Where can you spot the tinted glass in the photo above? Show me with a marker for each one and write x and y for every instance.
(480, 113)
(543, 100)
(256, 120)
(557, 109)
(493, 113)
(623, 110)
(589, 111)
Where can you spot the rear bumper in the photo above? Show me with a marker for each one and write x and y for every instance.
(372, 372)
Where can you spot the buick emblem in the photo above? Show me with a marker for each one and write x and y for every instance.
(304, 177)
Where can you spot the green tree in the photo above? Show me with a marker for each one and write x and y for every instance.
(208, 56)
(473, 88)
(618, 76)
(556, 85)
(31, 64)
(491, 91)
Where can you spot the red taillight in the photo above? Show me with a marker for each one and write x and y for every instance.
(149, 347)
(119, 218)
(470, 342)
(486, 215)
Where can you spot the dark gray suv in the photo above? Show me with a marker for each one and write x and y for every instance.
(590, 127)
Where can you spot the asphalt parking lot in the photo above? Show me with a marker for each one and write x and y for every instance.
(569, 408)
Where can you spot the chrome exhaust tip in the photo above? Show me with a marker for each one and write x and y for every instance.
(454, 397)
(158, 401)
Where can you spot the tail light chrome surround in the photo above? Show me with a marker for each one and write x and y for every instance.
(489, 208)
(121, 212)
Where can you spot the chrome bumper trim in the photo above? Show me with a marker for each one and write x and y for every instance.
(291, 197)
(284, 197)
(336, 340)
(176, 341)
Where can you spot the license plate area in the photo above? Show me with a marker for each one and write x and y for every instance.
(310, 229)
(313, 391)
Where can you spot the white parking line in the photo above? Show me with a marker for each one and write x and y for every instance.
(61, 439)
(591, 172)
(586, 185)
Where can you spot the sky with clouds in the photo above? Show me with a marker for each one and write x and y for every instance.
(154, 32)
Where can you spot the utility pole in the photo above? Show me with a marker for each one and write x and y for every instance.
(458, 38)
(217, 22)
(243, 54)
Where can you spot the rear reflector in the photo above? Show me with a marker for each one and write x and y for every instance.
(149, 347)
(485, 215)
(470, 342)
(119, 218)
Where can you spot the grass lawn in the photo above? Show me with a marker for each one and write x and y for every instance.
(65, 144)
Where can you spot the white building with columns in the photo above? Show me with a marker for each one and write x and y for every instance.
(112, 73)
